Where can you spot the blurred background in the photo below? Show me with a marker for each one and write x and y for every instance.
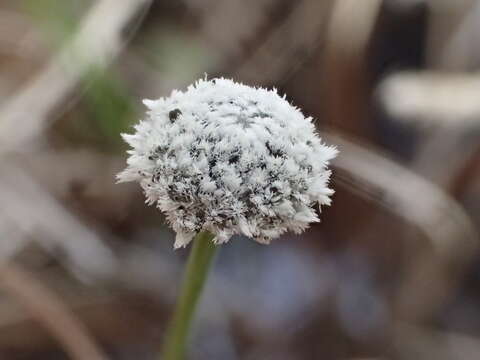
(87, 271)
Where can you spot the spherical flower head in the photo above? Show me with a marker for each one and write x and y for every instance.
(230, 159)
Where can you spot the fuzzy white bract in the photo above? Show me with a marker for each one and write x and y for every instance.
(230, 159)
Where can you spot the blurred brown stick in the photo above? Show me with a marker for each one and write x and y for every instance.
(453, 26)
(288, 45)
(98, 41)
(29, 208)
(50, 311)
(346, 82)
(452, 238)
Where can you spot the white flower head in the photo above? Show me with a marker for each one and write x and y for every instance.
(230, 159)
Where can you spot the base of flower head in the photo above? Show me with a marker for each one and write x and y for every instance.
(182, 239)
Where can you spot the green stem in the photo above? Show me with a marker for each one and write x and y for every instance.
(196, 273)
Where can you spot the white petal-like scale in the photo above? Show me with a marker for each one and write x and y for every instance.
(182, 239)
(230, 159)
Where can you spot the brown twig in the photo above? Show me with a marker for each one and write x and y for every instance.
(32, 209)
(97, 42)
(288, 45)
(452, 238)
(349, 33)
(49, 310)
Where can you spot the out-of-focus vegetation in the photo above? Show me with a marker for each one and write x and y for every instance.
(392, 272)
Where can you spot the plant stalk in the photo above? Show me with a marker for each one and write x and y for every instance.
(194, 279)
